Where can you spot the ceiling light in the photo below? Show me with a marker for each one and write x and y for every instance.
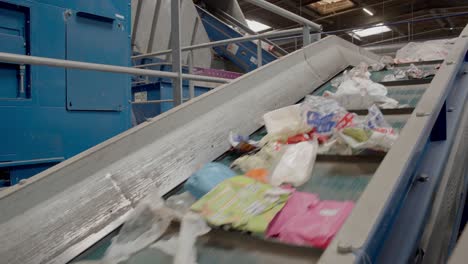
(353, 35)
(377, 29)
(257, 26)
(368, 11)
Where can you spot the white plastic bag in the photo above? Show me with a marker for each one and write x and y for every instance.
(426, 51)
(285, 122)
(358, 91)
(147, 223)
(182, 246)
(295, 165)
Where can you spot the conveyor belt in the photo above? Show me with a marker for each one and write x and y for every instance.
(60, 213)
(333, 178)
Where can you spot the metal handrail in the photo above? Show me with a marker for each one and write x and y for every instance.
(34, 60)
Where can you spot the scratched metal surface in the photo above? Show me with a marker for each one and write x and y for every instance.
(59, 213)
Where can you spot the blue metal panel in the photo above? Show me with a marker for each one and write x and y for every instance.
(90, 90)
(39, 128)
(243, 54)
(12, 39)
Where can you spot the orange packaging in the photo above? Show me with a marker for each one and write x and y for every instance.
(258, 174)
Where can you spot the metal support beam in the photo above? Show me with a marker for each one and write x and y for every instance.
(191, 57)
(285, 13)
(33, 60)
(259, 54)
(306, 40)
(176, 52)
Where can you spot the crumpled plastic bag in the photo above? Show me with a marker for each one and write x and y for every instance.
(182, 245)
(385, 62)
(425, 51)
(357, 90)
(323, 114)
(206, 178)
(285, 122)
(295, 165)
(263, 159)
(181, 202)
(397, 75)
(413, 72)
(145, 224)
(374, 133)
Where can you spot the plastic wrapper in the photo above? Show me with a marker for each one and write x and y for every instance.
(241, 203)
(206, 178)
(305, 221)
(181, 202)
(295, 165)
(374, 133)
(414, 72)
(263, 159)
(192, 227)
(425, 51)
(182, 245)
(241, 143)
(147, 223)
(260, 174)
(285, 122)
(322, 115)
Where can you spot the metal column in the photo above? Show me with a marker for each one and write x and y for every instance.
(176, 52)
(259, 54)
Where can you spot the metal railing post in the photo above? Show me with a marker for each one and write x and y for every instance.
(176, 52)
(306, 39)
(259, 54)
(191, 84)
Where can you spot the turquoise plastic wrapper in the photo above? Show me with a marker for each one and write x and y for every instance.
(206, 178)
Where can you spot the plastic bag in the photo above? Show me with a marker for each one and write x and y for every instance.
(322, 114)
(263, 159)
(426, 51)
(296, 164)
(374, 133)
(314, 225)
(357, 91)
(414, 72)
(192, 227)
(206, 178)
(148, 222)
(181, 202)
(182, 246)
(285, 122)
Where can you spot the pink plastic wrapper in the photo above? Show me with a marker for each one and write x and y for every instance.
(303, 221)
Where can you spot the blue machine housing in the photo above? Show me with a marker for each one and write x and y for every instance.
(50, 114)
(242, 54)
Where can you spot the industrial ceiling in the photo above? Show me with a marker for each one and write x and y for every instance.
(419, 19)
